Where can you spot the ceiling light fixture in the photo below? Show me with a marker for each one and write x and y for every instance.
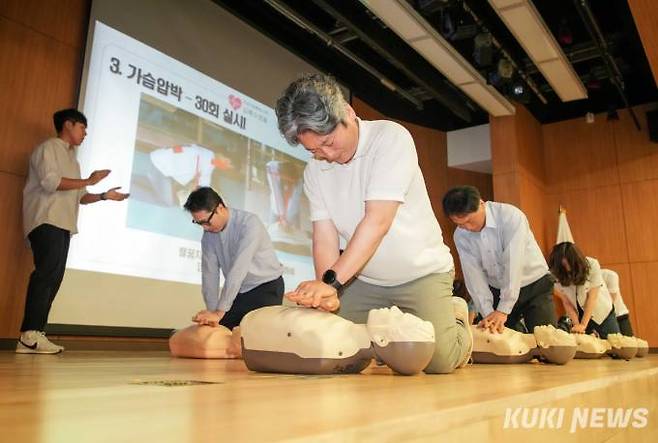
(523, 20)
(407, 23)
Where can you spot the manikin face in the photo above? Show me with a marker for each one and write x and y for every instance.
(73, 132)
(211, 221)
(473, 221)
(338, 146)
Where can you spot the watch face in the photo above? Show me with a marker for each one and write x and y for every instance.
(329, 276)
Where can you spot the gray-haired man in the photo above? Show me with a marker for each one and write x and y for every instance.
(365, 186)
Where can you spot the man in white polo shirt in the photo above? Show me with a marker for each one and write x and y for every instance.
(365, 186)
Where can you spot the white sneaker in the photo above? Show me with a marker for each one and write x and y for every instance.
(461, 314)
(36, 342)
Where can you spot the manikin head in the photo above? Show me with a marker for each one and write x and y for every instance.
(403, 341)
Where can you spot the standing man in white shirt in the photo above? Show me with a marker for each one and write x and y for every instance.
(366, 188)
(51, 199)
(504, 269)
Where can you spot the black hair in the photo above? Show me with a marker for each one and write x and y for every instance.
(68, 115)
(578, 264)
(461, 200)
(203, 199)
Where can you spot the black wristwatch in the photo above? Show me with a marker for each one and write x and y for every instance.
(329, 277)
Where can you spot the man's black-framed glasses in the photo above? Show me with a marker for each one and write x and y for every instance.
(206, 222)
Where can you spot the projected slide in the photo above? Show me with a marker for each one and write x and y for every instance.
(165, 129)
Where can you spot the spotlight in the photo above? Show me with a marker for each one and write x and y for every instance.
(519, 92)
(483, 49)
(505, 68)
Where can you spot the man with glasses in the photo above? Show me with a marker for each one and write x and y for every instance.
(366, 191)
(236, 243)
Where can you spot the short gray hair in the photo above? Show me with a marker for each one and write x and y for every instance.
(313, 102)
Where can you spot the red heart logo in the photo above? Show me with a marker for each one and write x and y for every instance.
(235, 102)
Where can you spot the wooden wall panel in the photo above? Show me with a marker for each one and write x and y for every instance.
(645, 282)
(42, 77)
(532, 197)
(432, 148)
(503, 144)
(596, 219)
(518, 166)
(61, 20)
(640, 213)
(579, 155)
(637, 156)
(645, 14)
(41, 46)
(530, 150)
(606, 176)
(365, 111)
(506, 188)
(15, 259)
(481, 180)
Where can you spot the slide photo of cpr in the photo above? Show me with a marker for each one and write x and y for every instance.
(177, 151)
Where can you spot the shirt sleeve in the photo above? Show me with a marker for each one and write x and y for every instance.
(517, 230)
(476, 281)
(394, 166)
(45, 165)
(82, 192)
(249, 242)
(611, 279)
(319, 209)
(595, 278)
(210, 268)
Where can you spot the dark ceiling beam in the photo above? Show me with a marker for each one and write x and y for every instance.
(613, 70)
(452, 103)
(331, 42)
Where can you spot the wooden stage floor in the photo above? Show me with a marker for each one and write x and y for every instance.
(137, 396)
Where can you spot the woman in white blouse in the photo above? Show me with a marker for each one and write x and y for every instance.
(582, 291)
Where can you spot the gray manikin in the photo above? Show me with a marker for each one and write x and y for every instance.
(306, 341)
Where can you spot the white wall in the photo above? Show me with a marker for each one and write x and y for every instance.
(470, 149)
